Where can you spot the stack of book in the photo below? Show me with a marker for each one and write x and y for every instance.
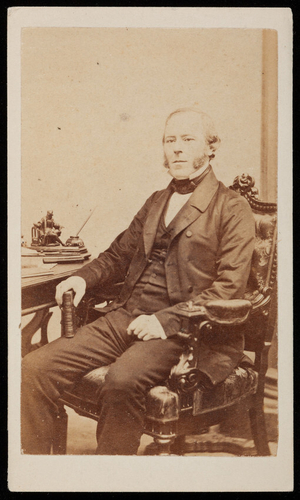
(55, 254)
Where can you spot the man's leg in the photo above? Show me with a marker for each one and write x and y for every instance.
(50, 370)
(143, 365)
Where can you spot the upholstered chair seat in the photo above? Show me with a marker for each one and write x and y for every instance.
(241, 382)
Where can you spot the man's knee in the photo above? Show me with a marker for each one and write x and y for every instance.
(121, 382)
(33, 365)
(28, 363)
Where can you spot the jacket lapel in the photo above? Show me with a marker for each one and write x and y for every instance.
(152, 221)
(197, 204)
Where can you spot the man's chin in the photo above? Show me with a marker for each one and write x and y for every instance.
(179, 177)
(177, 174)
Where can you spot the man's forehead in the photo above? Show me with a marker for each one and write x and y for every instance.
(184, 122)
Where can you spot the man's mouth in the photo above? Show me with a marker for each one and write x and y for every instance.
(179, 161)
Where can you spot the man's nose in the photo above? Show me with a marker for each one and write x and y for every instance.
(177, 148)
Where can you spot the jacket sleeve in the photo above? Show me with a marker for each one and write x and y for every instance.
(112, 264)
(233, 263)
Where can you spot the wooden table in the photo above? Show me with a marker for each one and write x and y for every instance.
(38, 296)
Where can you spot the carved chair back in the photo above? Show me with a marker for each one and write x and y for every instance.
(262, 284)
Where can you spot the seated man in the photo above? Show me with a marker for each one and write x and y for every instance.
(191, 241)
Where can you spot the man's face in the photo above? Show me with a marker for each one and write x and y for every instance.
(185, 147)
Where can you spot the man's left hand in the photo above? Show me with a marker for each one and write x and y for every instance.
(146, 328)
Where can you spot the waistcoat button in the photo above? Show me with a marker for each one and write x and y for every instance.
(189, 234)
(190, 289)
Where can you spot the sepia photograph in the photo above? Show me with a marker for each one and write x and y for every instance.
(148, 285)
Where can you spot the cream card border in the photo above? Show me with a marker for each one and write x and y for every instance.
(94, 473)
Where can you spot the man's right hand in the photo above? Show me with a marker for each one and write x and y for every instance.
(73, 283)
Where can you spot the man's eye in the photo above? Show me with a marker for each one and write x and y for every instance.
(189, 139)
(170, 140)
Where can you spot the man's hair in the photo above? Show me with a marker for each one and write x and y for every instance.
(210, 133)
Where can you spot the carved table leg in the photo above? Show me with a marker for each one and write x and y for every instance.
(44, 329)
(40, 320)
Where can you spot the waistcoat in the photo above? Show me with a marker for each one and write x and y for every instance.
(150, 293)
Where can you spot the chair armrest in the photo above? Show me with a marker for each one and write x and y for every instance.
(195, 320)
(228, 312)
(221, 312)
(214, 312)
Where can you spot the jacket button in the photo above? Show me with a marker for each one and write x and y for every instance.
(189, 234)
(190, 289)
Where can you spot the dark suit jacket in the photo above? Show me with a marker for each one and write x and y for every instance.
(209, 256)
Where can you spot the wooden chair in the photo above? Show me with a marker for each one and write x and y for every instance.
(181, 407)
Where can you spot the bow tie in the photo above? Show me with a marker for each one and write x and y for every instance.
(185, 186)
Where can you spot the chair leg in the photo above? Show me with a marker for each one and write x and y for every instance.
(258, 429)
(59, 446)
(163, 445)
(178, 446)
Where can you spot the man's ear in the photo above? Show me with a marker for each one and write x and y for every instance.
(209, 149)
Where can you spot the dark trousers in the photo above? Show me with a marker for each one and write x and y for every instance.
(136, 367)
